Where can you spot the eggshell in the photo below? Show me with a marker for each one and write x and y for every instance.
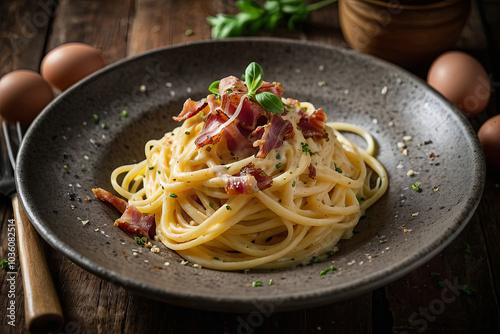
(23, 94)
(69, 63)
(462, 80)
(489, 135)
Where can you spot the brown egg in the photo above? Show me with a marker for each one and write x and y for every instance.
(23, 94)
(462, 80)
(489, 135)
(69, 63)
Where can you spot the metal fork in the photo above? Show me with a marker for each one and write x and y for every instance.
(43, 311)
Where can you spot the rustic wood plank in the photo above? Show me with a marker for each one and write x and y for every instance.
(324, 26)
(24, 26)
(157, 24)
(418, 302)
(102, 24)
(11, 288)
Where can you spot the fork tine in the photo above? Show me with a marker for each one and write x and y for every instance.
(19, 130)
(8, 144)
(4, 164)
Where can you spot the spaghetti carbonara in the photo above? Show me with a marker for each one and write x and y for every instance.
(245, 184)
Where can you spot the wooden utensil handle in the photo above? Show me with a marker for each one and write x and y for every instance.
(42, 307)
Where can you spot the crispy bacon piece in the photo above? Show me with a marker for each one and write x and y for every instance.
(190, 109)
(105, 196)
(251, 112)
(213, 103)
(274, 134)
(232, 83)
(271, 88)
(263, 180)
(313, 125)
(212, 129)
(132, 220)
(240, 183)
(237, 142)
(312, 172)
(237, 85)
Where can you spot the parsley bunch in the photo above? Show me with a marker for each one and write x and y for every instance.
(254, 17)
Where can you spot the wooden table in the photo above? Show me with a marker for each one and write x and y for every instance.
(414, 303)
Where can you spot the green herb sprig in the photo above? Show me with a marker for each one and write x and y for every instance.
(141, 241)
(330, 268)
(256, 284)
(416, 187)
(254, 18)
(253, 79)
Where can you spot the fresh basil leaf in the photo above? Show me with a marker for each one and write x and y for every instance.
(253, 77)
(214, 87)
(270, 102)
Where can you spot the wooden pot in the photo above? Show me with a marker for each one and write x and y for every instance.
(400, 32)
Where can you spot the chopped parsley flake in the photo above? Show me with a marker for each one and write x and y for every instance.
(189, 32)
(103, 125)
(124, 113)
(211, 205)
(4, 264)
(95, 118)
(278, 166)
(216, 258)
(293, 183)
(330, 268)
(416, 187)
(306, 149)
(228, 207)
(441, 284)
(173, 195)
(467, 248)
(187, 132)
(172, 134)
(337, 169)
(359, 198)
(141, 241)
(159, 172)
(256, 283)
(278, 156)
(270, 282)
(151, 168)
(468, 290)
(227, 168)
(383, 241)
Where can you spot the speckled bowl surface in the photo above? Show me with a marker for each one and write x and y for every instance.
(65, 154)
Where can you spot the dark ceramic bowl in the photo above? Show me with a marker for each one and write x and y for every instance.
(66, 154)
